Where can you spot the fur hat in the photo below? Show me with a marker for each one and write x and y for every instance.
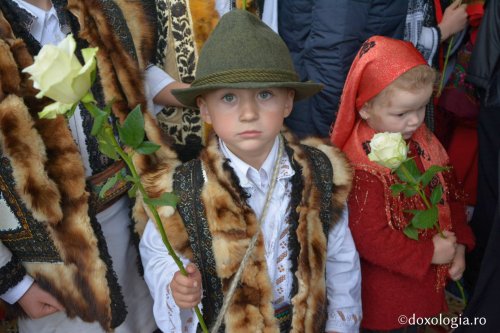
(243, 52)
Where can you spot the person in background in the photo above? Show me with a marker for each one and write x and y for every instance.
(482, 271)
(68, 259)
(323, 37)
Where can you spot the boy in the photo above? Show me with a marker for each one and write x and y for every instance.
(387, 89)
(245, 86)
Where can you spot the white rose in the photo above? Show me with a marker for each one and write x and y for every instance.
(58, 74)
(388, 149)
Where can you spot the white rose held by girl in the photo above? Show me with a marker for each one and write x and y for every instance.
(388, 150)
(58, 74)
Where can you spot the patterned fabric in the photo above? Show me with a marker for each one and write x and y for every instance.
(11, 274)
(30, 241)
(188, 182)
(176, 53)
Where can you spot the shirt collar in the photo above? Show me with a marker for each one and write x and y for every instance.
(245, 171)
(37, 17)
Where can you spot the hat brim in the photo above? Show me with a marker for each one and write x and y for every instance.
(187, 96)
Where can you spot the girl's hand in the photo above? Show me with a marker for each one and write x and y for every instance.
(458, 264)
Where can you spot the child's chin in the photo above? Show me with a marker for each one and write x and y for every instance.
(407, 136)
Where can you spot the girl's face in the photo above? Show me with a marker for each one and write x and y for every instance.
(403, 111)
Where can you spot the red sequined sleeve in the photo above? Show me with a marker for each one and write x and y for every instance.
(376, 240)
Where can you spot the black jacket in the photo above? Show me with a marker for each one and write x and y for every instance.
(484, 66)
(323, 37)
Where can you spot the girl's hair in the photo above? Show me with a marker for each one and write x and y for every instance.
(417, 78)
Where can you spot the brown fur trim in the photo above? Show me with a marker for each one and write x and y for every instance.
(9, 76)
(26, 151)
(121, 76)
(251, 308)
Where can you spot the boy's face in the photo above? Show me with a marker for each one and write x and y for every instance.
(403, 111)
(247, 120)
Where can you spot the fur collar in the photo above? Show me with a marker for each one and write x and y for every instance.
(232, 223)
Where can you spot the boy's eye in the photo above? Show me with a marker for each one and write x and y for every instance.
(265, 94)
(228, 98)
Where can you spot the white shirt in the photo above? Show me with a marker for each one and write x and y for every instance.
(342, 267)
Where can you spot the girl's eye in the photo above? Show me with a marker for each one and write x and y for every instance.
(265, 94)
(228, 98)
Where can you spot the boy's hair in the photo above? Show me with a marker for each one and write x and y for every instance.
(416, 78)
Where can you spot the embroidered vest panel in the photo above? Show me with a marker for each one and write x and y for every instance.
(27, 238)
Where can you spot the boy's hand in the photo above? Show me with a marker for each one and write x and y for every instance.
(444, 248)
(38, 303)
(454, 20)
(458, 264)
(186, 290)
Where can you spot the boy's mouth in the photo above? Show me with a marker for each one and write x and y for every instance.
(250, 134)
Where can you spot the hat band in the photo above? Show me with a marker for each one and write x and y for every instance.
(246, 75)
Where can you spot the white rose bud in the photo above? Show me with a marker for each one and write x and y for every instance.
(388, 149)
(58, 74)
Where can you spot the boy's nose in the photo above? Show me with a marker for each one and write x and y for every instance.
(249, 111)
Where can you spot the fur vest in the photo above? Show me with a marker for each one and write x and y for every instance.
(215, 227)
(59, 241)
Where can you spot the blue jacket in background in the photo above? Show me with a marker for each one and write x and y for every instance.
(323, 37)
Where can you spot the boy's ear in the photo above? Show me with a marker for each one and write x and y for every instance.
(202, 105)
(289, 102)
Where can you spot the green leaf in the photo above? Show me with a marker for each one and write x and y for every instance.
(424, 219)
(397, 188)
(132, 131)
(130, 178)
(88, 98)
(71, 111)
(147, 147)
(408, 172)
(99, 121)
(133, 190)
(429, 174)
(437, 194)
(106, 147)
(93, 109)
(409, 191)
(411, 232)
(166, 199)
(109, 184)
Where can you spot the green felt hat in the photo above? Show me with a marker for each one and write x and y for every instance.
(243, 52)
